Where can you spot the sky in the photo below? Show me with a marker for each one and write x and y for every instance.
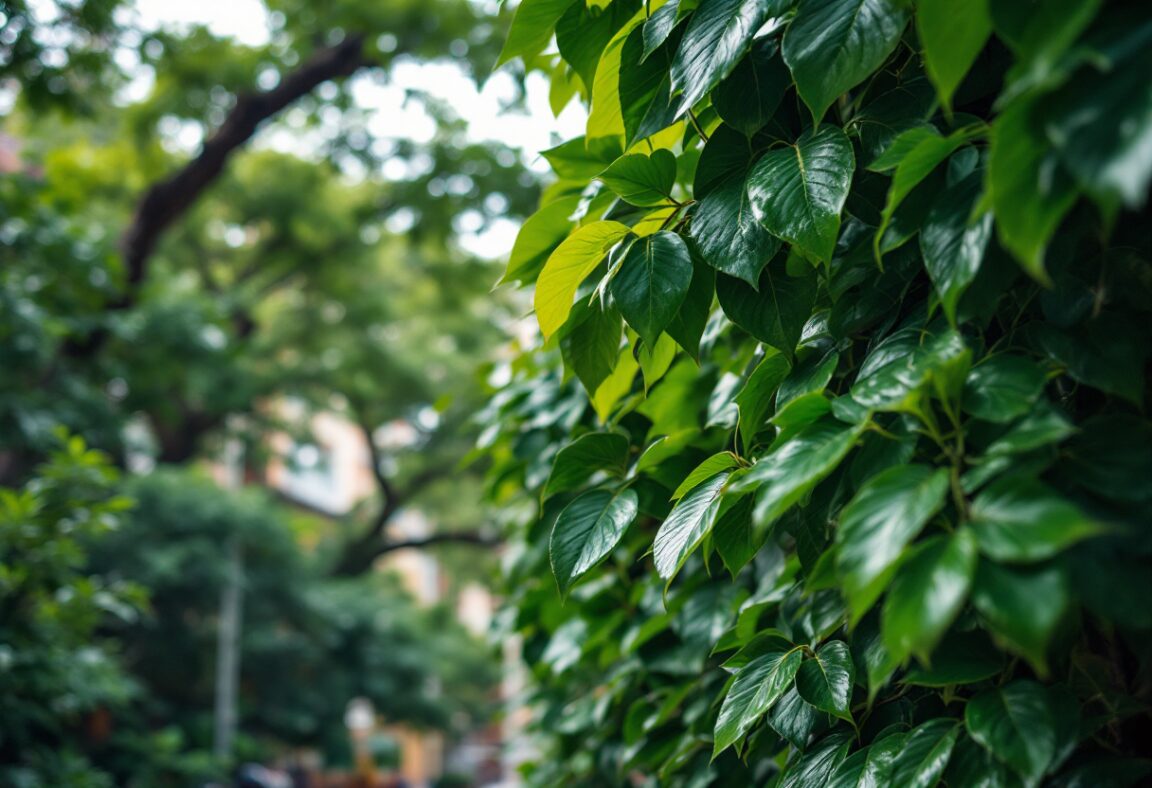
(537, 130)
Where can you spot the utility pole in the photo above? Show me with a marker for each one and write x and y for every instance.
(229, 623)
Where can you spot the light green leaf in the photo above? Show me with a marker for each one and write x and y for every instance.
(927, 594)
(798, 191)
(1015, 723)
(576, 462)
(834, 45)
(642, 180)
(587, 530)
(825, 680)
(531, 28)
(616, 386)
(568, 266)
(652, 283)
(924, 755)
(886, 514)
(952, 33)
(717, 37)
(792, 471)
(952, 242)
(656, 361)
(687, 525)
(539, 235)
(758, 685)
(721, 461)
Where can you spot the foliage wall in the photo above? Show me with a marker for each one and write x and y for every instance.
(834, 466)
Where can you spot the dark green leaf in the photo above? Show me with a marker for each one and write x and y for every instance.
(758, 685)
(1023, 520)
(1015, 724)
(687, 525)
(816, 765)
(927, 594)
(587, 530)
(596, 451)
(869, 766)
(953, 242)
(717, 37)
(924, 754)
(961, 658)
(687, 326)
(592, 347)
(640, 179)
(749, 96)
(798, 191)
(825, 680)
(834, 45)
(755, 399)
(775, 314)
(652, 283)
(1002, 388)
(732, 536)
(952, 33)
(728, 235)
(583, 32)
(1023, 606)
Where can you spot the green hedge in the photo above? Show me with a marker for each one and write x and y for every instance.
(834, 465)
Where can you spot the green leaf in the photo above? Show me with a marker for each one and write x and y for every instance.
(1023, 521)
(1101, 125)
(834, 45)
(1043, 426)
(646, 101)
(656, 361)
(917, 162)
(1023, 606)
(1030, 192)
(1003, 388)
(748, 97)
(583, 32)
(790, 472)
(660, 25)
(722, 461)
(755, 398)
(592, 346)
(1015, 724)
(531, 28)
(652, 283)
(952, 242)
(758, 685)
(924, 754)
(732, 536)
(717, 37)
(539, 235)
(568, 266)
(798, 191)
(687, 326)
(587, 530)
(799, 413)
(887, 513)
(596, 451)
(952, 33)
(825, 679)
(794, 718)
(811, 375)
(687, 525)
(900, 366)
(728, 235)
(605, 118)
(961, 658)
(616, 386)
(777, 312)
(927, 594)
(818, 762)
(871, 766)
(642, 180)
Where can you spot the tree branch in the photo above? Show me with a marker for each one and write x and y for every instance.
(359, 556)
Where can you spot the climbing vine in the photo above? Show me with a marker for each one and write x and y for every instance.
(833, 464)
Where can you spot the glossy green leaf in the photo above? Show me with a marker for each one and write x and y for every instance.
(1003, 388)
(687, 525)
(568, 266)
(952, 33)
(902, 365)
(590, 349)
(758, 685)
(794, 718)
(924, 754)
(652, 283)
(798, 191)
(1023, 521)
(646, 102)
(818, 762)
(718, 35)
(886, 514)
(660, 25)
(755, 399)
(834, 45)
(687, 325)
(961, 658)
(927, 594)
(531, 28)
(869, 766)
(587, 530)
(1023, 606)
(953, 241)
(640, 179)
(732, 536)
(576, 462)
(1015, 724)
(728, 235)
(748, 97)
(776, 312)
(583, 32)
(721, 461)
(790, 472)
(539, 235)
(825, 679)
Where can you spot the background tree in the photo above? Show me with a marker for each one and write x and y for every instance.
(832, 466)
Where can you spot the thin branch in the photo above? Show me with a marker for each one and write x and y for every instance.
(391, 500)
(460, 537)
(359, 556)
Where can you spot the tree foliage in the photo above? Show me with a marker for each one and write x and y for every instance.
(838, 438)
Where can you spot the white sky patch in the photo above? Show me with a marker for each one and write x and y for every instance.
(392, 117)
